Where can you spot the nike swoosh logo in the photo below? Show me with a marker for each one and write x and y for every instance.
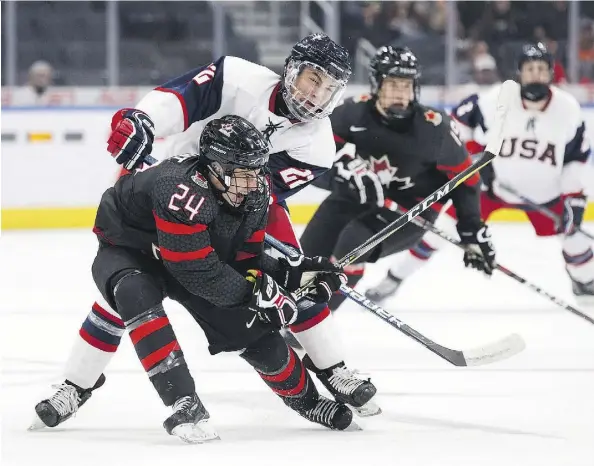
(355, 129)
(250, 323)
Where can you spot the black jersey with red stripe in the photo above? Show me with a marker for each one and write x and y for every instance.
(411, 162)
(170, 211)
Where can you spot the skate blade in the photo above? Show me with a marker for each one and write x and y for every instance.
(36, 424)
(195, 433)
(367, 410)
(353, 427)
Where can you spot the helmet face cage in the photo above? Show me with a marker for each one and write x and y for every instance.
(316, 95)
(326, 59)
(236, 154)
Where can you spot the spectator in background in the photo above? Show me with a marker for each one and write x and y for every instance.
(499, 23)
(484, 70)
(41, 76)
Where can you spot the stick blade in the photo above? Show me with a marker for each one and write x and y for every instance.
(494, 352)
(509, 97)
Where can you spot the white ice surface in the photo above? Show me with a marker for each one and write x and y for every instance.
(535, 409)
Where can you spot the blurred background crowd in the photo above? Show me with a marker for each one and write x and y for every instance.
(131, 43)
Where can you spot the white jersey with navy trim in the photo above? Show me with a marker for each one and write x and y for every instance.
(543, 151)
(183, 106)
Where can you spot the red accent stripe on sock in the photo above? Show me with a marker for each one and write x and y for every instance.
(116, 320)
(160, 354)
(284, 374)
(95, 343)
(417, 255)
(293, 391)
(315, 320)
(147, 328)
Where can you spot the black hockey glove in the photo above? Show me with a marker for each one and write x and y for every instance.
(478, 249)
(573, 213)
(327, 276)
(131, 140)
(357, 176)
(271, 303)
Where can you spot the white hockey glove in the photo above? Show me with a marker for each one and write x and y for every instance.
(358, 176)
(271, 303)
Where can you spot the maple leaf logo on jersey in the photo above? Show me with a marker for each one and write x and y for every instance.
(383, 169)
(387, 173)
(433, 117)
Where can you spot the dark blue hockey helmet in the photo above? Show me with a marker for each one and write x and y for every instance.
(236, 154)
(315, 77)
(535, 91)
(399, 62)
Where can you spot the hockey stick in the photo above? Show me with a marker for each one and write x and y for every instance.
(497, 351)
(425, 224)
(540, 208)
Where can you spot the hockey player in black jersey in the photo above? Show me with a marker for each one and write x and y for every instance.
(192, 229)
(292, 112)
(403, 152)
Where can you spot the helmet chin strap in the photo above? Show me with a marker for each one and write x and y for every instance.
(221, 177)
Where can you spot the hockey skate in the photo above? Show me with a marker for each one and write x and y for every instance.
(384, 289)
(63, 404)
(584, 292)
(331, 414)
(346, 388)
(190, 421)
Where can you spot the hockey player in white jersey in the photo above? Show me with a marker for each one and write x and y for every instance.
(543, 158)
(292, 112)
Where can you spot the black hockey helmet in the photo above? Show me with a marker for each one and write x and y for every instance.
(535, 52)
(230, 143)
(398, 62)
(331, 68)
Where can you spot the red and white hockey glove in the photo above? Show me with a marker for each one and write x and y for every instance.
(360, 179)
(325, 276)
(271, 303)
(574, 206)
(131, 139)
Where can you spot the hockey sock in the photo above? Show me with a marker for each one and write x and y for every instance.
(282, 370)
(578, 257)
(97, 341)
(410, 263)
(139, 301)
(160, 354)
(317, 334)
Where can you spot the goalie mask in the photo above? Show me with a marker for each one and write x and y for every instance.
(315, 77)
(235, 154)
